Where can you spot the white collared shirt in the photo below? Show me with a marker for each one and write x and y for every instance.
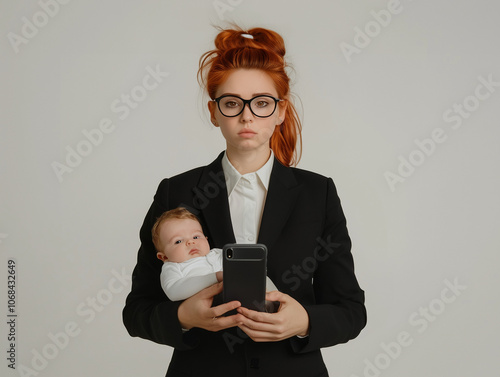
(247, 196)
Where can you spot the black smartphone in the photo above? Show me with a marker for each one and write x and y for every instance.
(244, 275)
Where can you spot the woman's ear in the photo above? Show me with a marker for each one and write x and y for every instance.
(212, 108)
(282, 106)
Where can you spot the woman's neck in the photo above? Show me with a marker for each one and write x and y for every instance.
(248, 162)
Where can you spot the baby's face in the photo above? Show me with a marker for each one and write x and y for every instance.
(182, 239)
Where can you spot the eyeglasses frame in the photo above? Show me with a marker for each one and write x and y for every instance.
(245, 102)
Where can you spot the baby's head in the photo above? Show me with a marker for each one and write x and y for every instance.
(177, 236)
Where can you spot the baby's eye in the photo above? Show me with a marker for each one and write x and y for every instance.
(177, 242)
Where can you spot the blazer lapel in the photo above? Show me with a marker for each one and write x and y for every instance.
(213, 203)
(281, 197)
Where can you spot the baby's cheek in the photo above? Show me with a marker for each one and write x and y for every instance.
(207, 247)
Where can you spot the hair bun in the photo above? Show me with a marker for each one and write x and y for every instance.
(254, 38)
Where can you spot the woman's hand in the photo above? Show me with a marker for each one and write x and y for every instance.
(197, 311)
(219, 276)
(290, 320)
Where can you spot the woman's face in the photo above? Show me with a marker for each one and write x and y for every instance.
(247, 132)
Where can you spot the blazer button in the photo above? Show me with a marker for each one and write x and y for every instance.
(254, 363)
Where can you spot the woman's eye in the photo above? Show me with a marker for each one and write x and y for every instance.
(231, 104)
(262, 103)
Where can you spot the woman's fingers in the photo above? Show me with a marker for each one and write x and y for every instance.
(275, 296)
(219, 310)
(257, 324)
(290, 320)
(224, 308)
(255, 316)
(216, 320)
(197, 311)
(211, 291)
(221, 323)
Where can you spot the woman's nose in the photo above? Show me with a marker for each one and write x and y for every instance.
(247, 114)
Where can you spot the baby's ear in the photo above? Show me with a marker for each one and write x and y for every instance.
(161, 256)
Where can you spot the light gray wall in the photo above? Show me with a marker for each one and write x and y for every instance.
(403, 118)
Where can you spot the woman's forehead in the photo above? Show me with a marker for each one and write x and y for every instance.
(247, 83)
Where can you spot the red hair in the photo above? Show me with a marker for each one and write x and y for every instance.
(266, 52)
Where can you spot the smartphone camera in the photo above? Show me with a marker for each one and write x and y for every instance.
(229, 253)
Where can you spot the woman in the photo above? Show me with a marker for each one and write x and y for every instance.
(251, 194)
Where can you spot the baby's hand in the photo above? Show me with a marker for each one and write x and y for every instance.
(218, 274)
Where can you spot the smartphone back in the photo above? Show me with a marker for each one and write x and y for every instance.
(244, 270)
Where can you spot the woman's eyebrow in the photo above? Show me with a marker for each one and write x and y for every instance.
(253, 95)
(262, 94)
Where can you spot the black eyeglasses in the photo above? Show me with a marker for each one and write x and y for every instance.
(261, 106)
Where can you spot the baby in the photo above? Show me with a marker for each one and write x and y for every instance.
(188, 263)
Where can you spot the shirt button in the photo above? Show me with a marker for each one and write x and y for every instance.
(250, 238)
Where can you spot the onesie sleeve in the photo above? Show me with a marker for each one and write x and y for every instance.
(179, 286)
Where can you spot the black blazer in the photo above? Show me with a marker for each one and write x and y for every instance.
(309, 258)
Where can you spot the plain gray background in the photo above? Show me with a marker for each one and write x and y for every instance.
(423, 215)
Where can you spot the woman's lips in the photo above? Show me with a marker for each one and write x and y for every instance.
(246, 133)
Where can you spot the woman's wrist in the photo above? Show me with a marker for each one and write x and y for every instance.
(304, 334)
(181, 316)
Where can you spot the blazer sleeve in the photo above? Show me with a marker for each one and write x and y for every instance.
(148, 313)
(339, 313)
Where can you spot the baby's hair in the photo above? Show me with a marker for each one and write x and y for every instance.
(179, 213)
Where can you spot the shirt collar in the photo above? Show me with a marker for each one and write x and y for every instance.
(233, 176)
